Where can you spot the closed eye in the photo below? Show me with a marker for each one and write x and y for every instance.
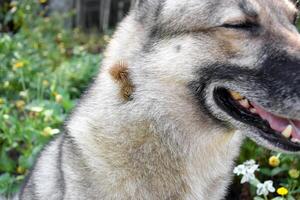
(242, 25)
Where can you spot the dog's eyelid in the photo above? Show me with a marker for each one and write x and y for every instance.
(236, 22)
(243, 24)
(242, 20)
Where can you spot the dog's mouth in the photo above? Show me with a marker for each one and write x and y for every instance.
(281, 132)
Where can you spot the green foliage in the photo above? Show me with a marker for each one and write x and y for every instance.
(282, 169)
(43, 70)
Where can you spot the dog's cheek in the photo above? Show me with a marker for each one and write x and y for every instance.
(227, 42)
(237, 47)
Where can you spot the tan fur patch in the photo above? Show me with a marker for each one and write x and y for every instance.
(226, 41)
(147, 159)
(120, 74)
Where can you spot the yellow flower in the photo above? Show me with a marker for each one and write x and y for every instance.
(21, 170)
(274, 161)
(20, 104)
(62, 48)
(6, 84)
(19, 64)
(47, 115)
(45, 83)
(58, 98)
(48, 131)
(294, 173)
(282, 191)
(43, 1)
(33, 114)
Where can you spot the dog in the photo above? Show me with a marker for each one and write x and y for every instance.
(182, 84)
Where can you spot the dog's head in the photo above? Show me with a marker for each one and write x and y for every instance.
(239, 58)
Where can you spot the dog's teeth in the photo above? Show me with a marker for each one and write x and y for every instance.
(236, 96)
(287, 132)
(253, 110)
(295, 140)
(245, 103)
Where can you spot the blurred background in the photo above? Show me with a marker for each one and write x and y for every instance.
(49, 51)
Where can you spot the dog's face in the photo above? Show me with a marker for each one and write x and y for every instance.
(239, 58)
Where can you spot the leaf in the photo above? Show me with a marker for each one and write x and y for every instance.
(5, 182)
(265, 171)
(258, 198)
(277, 171)
(6, 163)
(290, 197)
(278, 198)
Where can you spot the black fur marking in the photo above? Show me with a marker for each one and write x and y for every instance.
(61, 178)
(72, 144)
(158, 9)
(29, 180)
(213, 73)
(198, 89)
(33, 189)
(282, 74)
(30, 186)
(25, 183)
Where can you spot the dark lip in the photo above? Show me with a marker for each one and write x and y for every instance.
(227, 104)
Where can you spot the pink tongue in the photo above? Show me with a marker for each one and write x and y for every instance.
(278, 123)
(296, 128)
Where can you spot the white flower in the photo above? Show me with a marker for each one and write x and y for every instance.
(24, 94)
(265, 188)
(247, 169)
(47, 115)
(247, 177)
(239, 170)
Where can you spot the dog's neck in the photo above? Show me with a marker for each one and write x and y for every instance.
(143, 163)
(147, 149)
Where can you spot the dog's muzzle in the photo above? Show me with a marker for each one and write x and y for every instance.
(266, 99)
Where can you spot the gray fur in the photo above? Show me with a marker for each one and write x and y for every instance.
(170, 140)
